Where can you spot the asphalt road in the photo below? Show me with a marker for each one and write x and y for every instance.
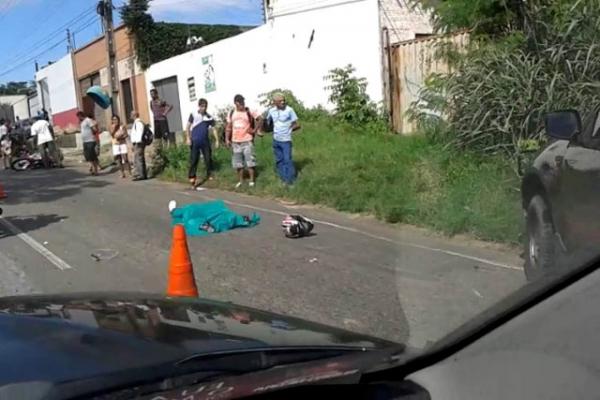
(398, 283)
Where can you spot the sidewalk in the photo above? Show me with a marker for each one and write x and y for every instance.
(75, 157)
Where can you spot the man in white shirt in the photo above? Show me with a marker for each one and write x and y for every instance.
(139, 147)
(42, 132)
(91, 141)
(5, 144)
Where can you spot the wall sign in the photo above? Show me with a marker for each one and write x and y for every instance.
(210, 84)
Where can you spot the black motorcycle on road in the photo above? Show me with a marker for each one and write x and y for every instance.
(27, 159)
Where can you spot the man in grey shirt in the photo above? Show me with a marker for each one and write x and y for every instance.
(89, 137)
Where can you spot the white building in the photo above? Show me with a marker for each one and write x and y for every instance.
(300, 42)
(17, 103)
(56, 92)
(34, 104)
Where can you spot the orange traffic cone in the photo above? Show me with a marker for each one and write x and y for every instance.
(181, 282)
(2, 193)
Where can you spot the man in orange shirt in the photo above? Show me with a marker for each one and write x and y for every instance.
(240, 130)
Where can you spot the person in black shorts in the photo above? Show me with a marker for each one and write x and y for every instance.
(90, 141)
(160, 109)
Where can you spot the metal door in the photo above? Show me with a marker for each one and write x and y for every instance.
(127, 99)
(169, 92)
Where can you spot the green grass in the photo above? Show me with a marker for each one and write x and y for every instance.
(396, 178)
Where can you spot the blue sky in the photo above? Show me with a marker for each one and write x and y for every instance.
(36, 29)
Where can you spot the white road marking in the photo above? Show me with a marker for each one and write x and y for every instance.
(47, 254)
(372, 236)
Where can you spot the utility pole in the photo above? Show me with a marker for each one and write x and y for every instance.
(266, 9)
(105, 9)
(71, 44)
(69, 41)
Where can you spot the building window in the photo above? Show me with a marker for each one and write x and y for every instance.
(191, 82)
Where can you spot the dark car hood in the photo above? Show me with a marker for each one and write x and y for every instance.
(72, 337)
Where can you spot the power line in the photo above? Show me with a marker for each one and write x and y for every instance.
(89, 22)
(32, 58)
(42, 14)
(50, 36)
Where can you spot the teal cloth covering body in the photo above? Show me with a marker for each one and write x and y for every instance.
(201, 219)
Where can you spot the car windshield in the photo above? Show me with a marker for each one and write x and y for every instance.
(350, 173)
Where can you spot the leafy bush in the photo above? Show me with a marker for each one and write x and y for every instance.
(316, 113)
(349, 95)
(304, 114)
(482, 16)
(495, 99)
(222, 114)
(266, 99)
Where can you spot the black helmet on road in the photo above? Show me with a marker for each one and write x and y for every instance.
(297, 226)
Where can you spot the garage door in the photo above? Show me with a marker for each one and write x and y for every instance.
(169, 92)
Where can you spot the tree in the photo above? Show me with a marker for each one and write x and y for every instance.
(155, 42)
(495, 97)
(141, 25)
(349, 94)
(12, 88)
(481, 16)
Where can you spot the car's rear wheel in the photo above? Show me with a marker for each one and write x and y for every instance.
(540, 243)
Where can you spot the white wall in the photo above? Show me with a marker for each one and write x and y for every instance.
(61, 85)
(236, 70)
(276, 55)
(282, 7)
(403, 20)
(347, 33)
(19, 104)
(34, 105)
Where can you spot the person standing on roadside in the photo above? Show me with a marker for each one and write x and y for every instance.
(239, 132)
(139, 147)
(42, 131)
(119, 145)
(285, 121)
(160, 109)
(89, 137)
(5, 144)
(199, 124)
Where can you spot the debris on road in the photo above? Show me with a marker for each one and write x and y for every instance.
(313, 260)
(104, 254)
(45, 243)
(351, 323)
(477, 294)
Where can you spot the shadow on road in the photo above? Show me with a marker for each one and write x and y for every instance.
(40, 186)
(29, 223)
